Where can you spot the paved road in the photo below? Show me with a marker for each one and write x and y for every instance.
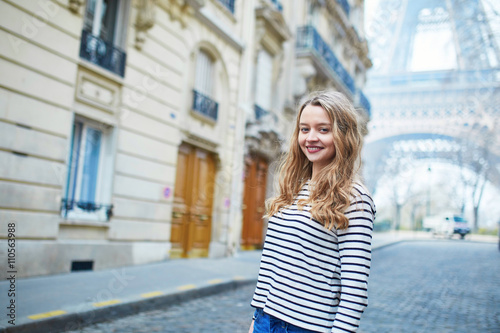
(439, 286)
(421, 286)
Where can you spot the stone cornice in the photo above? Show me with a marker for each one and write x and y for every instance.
(207, 18)
(180, 10)
(273, 23)
(144, 20)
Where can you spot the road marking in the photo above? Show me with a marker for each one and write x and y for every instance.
(47, 314)
(186, 287)
(152, 294)
(110, 302)
(215, 281)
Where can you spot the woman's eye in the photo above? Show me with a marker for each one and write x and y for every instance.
(324, 130)
(303, 129)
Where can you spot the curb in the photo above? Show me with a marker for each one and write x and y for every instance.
(76, 321)
(383, 246)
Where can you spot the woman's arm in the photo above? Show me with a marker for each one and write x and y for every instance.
(251, 326)
(355, 259)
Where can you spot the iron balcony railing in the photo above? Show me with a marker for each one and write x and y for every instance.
(278, 5)
(308, 39)
(102, 53)
(345, 6)
(259, 112)
(365, 103)
(69, 205)
(205, 105)
(229, 4)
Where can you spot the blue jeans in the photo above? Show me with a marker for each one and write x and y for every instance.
(265, 323)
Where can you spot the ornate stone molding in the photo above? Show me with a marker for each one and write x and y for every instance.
(75, 5)
(144, 20)
(181, 10)
(271, 28)
(266, 144)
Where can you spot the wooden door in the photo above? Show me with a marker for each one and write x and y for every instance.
(193, 199)
(254, 203)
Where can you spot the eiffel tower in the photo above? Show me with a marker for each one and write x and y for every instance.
(435, 84)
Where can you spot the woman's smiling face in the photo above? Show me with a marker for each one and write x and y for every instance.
(316, 137)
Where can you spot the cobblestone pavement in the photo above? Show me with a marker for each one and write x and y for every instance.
(227, 312)
(440, 286)
(424, 286)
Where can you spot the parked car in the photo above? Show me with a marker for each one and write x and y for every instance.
(460, 226)
(447, 225)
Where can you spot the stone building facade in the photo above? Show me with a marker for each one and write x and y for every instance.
(135, 131)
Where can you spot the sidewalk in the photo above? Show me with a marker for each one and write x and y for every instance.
(70, 301)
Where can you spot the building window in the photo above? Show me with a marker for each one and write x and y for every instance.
(88, 183)
(277, 4)
(104, 33)
(229, 4)
(345, 6)
(263, 84)
(204, 90)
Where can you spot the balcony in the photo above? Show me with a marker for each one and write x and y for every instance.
(229, 4)
(345, 6)
(102, 54)
(259, 112)
(87, 207)
(365, 103)
(205, 106)
(309, 40)
(278, 5)
(262, 116)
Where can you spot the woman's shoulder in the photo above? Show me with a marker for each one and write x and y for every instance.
(360, 193)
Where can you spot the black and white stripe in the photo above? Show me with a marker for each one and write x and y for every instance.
(316, 278)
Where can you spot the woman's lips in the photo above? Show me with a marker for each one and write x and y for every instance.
(313, 149)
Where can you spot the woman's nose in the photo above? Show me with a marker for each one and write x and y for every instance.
(312, 136)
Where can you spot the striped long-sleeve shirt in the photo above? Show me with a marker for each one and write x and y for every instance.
(313, 277)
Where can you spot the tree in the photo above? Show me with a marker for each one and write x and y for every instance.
(400, 169)
(478, 33)
(477, 157)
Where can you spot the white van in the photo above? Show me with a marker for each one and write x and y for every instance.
(446, 225)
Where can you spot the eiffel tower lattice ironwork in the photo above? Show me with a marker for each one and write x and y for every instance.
(436, 79)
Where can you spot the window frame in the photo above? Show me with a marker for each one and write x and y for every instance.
(205, 86)
(264, 58)
(204, 82)
(120, 20)
(108, 53)
(103, 181)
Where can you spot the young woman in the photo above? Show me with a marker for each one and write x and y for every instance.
(317, 252)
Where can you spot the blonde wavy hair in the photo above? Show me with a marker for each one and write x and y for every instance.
(330, 194)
